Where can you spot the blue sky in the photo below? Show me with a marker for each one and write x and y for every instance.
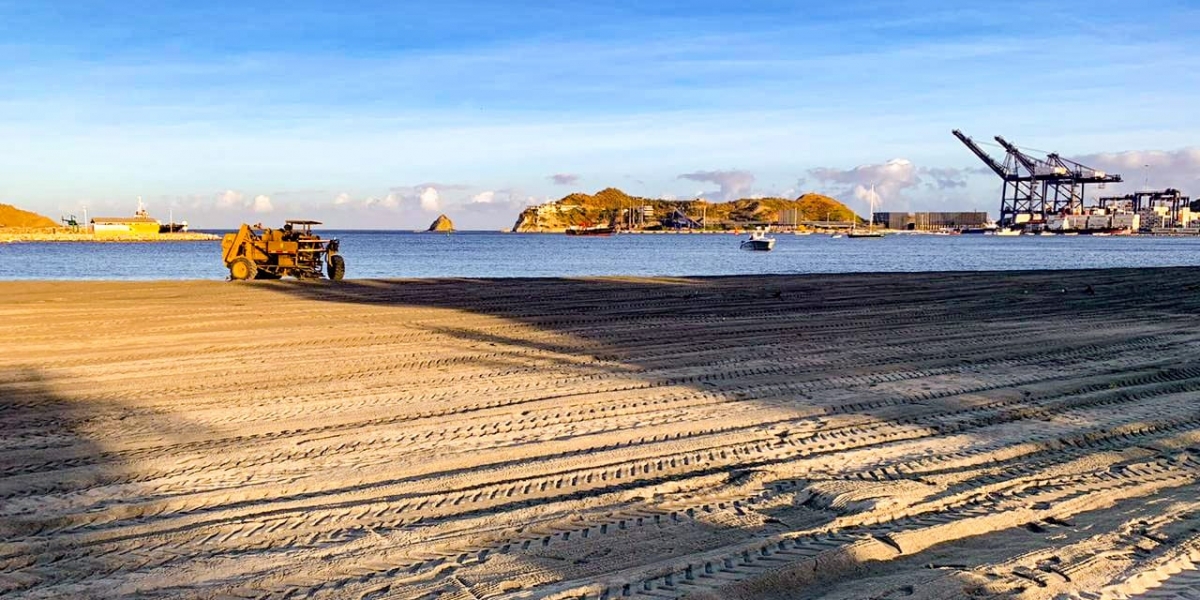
(353, 113)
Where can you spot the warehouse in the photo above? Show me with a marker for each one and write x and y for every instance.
(929, 221)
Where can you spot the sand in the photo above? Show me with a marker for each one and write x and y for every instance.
(1027, 435)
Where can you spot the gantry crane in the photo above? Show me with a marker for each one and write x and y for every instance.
(1171, 200)
(1034, 188)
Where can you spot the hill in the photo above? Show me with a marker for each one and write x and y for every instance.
(609, 206)
(11, 216)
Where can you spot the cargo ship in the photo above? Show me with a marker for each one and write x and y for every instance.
(140, 223)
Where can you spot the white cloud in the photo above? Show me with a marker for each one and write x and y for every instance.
(430, 199)
(1153, 168)
(262, 204)
(483, 197)
(888, 181)
(734, 183)
(342, 198)
(230, 199)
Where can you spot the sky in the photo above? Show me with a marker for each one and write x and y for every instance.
(382, 117)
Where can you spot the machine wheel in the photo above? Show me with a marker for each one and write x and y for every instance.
(242, 268)
(337, 267)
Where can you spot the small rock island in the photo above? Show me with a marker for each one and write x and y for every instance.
(442, 223)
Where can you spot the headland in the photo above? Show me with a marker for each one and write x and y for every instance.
(614, 208)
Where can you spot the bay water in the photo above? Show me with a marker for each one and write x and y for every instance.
(387, 254)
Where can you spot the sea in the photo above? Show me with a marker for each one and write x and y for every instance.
(389, 254)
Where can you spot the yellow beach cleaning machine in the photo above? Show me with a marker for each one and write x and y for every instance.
(255, 252)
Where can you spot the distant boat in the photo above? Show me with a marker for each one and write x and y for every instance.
(870, 232)
(758, 241)
(592, 230)
(836, 236)
(1007, 231)
(865, 234)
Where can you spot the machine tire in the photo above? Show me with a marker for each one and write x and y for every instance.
(337, 267)
(242, 269)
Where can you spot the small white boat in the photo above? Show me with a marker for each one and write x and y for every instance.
(836, 236)
(759, 241)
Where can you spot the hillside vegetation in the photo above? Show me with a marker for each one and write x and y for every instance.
(608, 205)
(11, 216)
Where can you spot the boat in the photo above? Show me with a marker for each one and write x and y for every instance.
(864, 234)
(591, 230)
(870, 232)
(836, 236)
(759, 241)
(1007, 231)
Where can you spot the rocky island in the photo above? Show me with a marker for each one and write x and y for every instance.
(442, 223)
(614, 207)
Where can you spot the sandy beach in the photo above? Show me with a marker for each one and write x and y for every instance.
(995, 435)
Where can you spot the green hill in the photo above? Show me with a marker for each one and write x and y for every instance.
(609, 206)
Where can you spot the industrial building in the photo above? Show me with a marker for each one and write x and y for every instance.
(929, 221)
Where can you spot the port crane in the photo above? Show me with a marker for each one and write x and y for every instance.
(1171, 200)
(1035, 187)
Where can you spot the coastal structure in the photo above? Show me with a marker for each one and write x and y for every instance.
(929, 221)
